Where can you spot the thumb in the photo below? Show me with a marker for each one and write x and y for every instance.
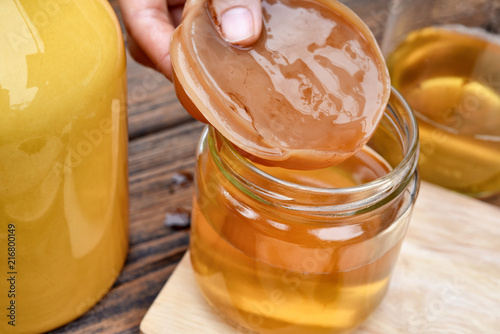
(238, 21)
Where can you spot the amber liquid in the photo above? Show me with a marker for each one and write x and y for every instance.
(450, 76)
(268, 272)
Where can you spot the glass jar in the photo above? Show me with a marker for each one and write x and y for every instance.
(63, 160)
(445, 63)
(284, 251)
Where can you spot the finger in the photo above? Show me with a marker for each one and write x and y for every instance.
(238, 21)
(175, 3)
(175, 8)
(150, 26)
(176, 14)
(137, 53)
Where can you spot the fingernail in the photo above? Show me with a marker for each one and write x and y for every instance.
(237, 24)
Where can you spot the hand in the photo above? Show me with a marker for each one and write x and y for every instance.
(151, 23)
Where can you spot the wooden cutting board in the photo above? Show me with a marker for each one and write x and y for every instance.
(447, 279)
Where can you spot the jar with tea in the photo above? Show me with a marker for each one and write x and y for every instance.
(445, 62)
(306, 176)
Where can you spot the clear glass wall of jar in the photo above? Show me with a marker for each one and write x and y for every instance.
(444, 61)
(272, 253)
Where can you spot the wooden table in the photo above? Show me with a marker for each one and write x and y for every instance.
(162, 147)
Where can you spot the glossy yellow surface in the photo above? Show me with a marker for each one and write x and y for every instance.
(63, 159)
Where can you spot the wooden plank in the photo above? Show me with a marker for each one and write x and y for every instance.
(447, 279)
(154, 161)
(152, 103)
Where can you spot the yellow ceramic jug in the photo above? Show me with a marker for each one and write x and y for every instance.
(63, 160)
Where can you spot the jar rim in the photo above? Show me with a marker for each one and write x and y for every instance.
(374, 189)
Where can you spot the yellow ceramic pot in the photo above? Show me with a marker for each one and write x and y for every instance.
(63, 160)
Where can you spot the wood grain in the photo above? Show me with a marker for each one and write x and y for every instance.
(153, 105)
(447, 279)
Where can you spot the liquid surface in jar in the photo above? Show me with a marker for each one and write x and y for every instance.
(275, 275)
(450, 76)
(308, 94)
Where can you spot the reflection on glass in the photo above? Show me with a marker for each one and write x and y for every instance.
(445, 62)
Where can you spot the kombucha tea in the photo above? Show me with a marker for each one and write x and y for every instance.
(268, 272)
(450, 76)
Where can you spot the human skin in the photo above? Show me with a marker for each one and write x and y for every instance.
(151, 23)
